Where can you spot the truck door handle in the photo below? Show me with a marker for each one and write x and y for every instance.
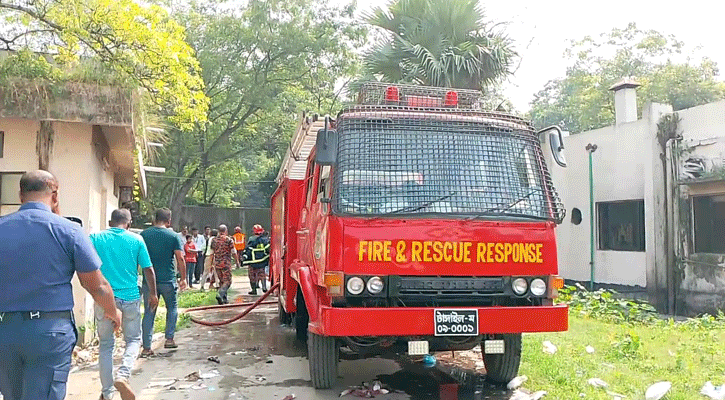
(303, 231)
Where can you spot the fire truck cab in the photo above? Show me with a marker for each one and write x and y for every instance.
(415, 222)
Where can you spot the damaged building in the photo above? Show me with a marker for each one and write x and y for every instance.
(657, 206)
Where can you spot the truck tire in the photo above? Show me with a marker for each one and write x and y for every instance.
(322, 352)
(501, 368)
(302, 318)
(284, 317)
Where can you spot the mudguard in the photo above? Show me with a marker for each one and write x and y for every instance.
(306, 281)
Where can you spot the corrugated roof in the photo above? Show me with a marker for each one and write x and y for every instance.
(294, 165)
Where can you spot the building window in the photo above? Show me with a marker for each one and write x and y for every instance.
(708, 218)
(2, 143)
(9, 192)
(621, 225)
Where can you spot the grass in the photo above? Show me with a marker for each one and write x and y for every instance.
(629, 357)
(186, 299)
(239, 272)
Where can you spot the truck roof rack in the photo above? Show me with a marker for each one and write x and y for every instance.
(294, 164)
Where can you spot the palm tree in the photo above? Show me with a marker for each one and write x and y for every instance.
(443, 43)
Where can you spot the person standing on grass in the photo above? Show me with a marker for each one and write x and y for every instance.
(40, 251)
(164, 246)
(209, 271)
(240, 240)
(223, 247)
(122, 253)
(200, 244)
(190, 259)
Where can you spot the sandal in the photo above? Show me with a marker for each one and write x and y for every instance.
(146, 353)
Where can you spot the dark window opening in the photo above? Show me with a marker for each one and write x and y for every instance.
(576, 216)
(709, 220)
(621, 225)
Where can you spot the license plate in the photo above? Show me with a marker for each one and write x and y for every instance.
(452, 322)
(418, 347)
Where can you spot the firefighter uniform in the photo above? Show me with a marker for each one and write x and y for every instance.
(256, 259)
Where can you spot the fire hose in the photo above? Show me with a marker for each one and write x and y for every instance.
(241, 315)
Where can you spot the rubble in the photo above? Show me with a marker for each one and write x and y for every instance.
(549, 348)
(657, 390)
(517, 382)
(712, 391)
(597, 383)
(366, 390)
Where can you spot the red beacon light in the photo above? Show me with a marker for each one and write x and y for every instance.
(451, 99)
(392, 94)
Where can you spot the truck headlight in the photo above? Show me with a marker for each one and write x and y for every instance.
(375, 285)
(519, 286)
(355, 285)
(538, 287)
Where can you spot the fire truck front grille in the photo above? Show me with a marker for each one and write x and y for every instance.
(418, 162)
(442, 289)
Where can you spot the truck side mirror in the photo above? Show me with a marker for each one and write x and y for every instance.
(553, 137)
(326, 147)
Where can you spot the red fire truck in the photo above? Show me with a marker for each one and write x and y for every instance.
(415, 222)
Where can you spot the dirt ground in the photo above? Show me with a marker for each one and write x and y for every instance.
(259, 359)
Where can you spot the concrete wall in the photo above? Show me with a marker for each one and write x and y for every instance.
(86, 188)
(618, 166)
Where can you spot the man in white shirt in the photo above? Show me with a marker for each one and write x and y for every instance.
(200, 243)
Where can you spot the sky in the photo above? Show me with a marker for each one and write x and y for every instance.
(542, 30)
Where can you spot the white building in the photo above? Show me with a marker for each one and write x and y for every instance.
(659, 204)
(83, 134)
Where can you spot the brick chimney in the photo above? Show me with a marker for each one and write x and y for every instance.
(625, 100)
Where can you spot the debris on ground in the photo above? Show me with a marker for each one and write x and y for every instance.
(549, 348)
(259, 378)
(192, 377)
(590, 349)
(523, 394)
(163, 383)
(597, 383)
(657, 390)
(214, 359)
(429, 361)
(208, 375)
(616, 396)
(237, 353)
(366, 390)
(289, 397)
(517, 382)
(712, 391)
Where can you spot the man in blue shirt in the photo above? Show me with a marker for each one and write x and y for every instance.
(122, 253)
(39, 253)
(163, 245)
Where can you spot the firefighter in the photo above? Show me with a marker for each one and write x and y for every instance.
(256, 258)
(240, 240)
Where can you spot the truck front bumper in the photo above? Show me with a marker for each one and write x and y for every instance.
(418, 321)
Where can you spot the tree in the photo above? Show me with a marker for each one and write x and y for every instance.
(582, 101)
(262, 64)
(438, 43)
(139, 43)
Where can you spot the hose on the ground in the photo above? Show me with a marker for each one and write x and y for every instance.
(239, 316)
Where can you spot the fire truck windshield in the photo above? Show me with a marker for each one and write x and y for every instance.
(466, 169)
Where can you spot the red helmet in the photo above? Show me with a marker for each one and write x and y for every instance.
(257, 229)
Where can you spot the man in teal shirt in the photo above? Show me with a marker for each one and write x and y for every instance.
(121, 253)
(163, 245)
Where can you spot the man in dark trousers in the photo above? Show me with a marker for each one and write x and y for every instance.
(256, 258)
(223, 247)
(163, 245)
(39, 253)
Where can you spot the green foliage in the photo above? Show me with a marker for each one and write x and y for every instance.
(582, 101)
(627, 345)
(263, 63)
(605, 305)
(135, 43)
(438, 43)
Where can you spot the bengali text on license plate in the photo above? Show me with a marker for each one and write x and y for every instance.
(449, 322)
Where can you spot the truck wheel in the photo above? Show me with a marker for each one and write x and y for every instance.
(284, 317)
(302, 318)
(322, 352)
(501, 368)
